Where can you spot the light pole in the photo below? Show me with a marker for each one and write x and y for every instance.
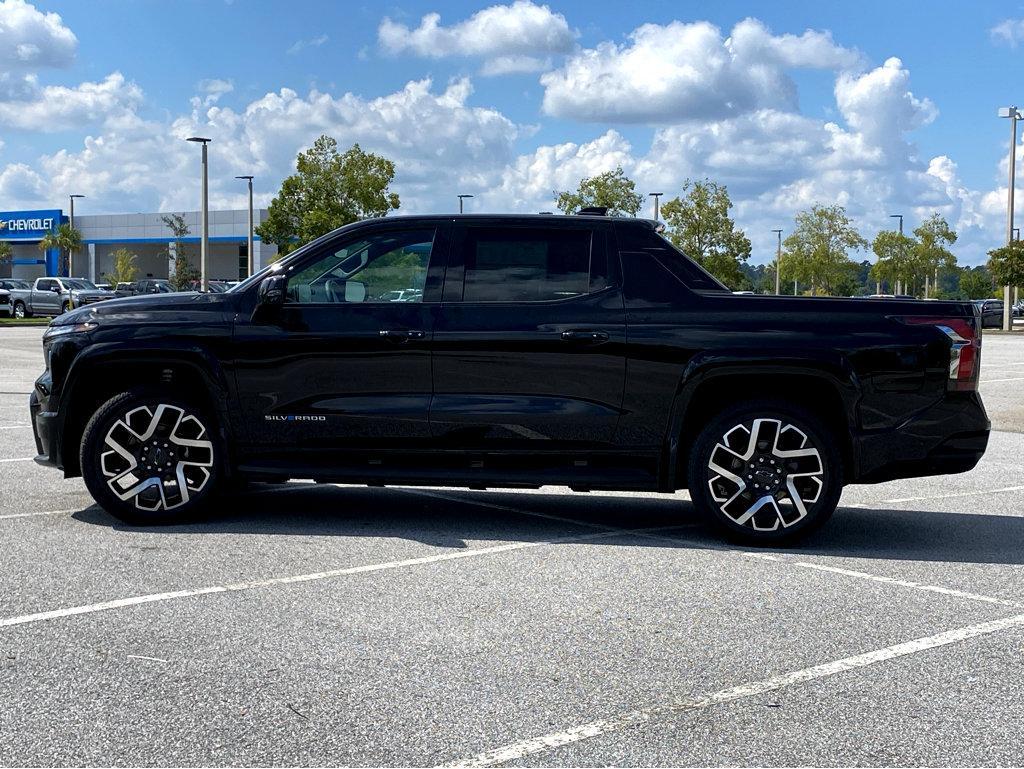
(1014, 115)
(657, 204)
(461, 198)
(71, 271)
(899, 284)
(778, 263)
(249, 241)
(204, 242)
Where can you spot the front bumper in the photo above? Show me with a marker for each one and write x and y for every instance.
(43, 424)
(949, 437)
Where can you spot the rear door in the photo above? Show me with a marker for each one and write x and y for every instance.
(529, 342)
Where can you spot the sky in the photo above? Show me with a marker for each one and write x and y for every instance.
(882, 107)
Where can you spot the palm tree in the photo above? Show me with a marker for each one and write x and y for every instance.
(65, 238)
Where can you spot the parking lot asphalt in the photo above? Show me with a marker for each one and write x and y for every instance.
(345, 625)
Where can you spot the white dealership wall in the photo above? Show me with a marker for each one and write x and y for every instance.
(147, 236)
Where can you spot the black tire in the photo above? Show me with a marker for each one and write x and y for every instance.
(66, 307)
(754, 501)
(19, 311)
(175, 460)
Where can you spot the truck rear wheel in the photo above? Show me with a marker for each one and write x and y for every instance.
(148, 457)
(765, 472)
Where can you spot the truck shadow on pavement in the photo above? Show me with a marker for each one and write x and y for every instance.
(455, 517)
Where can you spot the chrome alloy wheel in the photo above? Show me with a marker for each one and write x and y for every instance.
(764, 473)
(159, 457)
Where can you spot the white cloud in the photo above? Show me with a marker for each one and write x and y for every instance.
(1009, 32)
(32, 39)
(58, 107)
(513, 38)
(684, 71)
(300, 45)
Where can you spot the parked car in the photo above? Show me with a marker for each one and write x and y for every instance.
(991, 312)
(152, 286)
(53, 296)
(577, 350)
(216, 286)
(1018, 309)
(7, 285)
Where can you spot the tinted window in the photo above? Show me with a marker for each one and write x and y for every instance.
(526, 265)
(691, 274)
(45, 285)
(382, 267)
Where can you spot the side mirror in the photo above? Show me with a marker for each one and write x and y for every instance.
(271, 292)
(55, 289)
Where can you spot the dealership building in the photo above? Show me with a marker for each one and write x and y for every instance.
(145, 235)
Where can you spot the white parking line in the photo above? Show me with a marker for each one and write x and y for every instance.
(18, 459)
(315, 576)
(518, 750)
(14, 427)
(1011, 379)
(34, 515)
(901, 500)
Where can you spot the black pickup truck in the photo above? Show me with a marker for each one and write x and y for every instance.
(582, 351)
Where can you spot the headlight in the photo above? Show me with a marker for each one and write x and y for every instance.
(70, 328)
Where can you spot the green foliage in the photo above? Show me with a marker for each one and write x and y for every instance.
(933, 235)
(1007, 264)
(125, 269)
(66, 239)
(699, 224)
(6, 252)
(185, 271)
(817, 252)
(328, 190)
(975, 283)
(612, 189)
(898, 258)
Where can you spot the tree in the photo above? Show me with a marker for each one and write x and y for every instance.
(66, 239)
(612, 189)
(6, 252)
(1007, 264)
(699, 224)
(818, 250)
(328, 190)
(898, 259)
(185, 272)
(125, 268)
(933, 235)
(975, 283)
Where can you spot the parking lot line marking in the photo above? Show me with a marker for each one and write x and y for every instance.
(33, 515)
(546, 742)
(906, 583)
(901, 500)
(14, 427)
(1011, 379)
(18, 459)
(121, 603)
(649, 534)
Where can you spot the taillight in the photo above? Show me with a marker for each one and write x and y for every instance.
(964, 351)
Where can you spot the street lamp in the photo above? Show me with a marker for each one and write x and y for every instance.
(1014, 115)
(778, 263)
(71, 270)
(657, 201)
(899, 283)
(249, 253)
(204, 242)
(461, 198)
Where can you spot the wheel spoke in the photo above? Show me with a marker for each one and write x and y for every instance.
(157, 457)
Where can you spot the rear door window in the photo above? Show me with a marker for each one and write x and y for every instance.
(530, 264)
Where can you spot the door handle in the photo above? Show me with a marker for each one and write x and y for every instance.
(584, 336)
(402, 335)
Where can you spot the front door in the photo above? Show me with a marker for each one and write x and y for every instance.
(345, 362)
(529, 344)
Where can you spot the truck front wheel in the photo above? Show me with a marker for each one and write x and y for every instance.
(20, 311)
(148, 457)
(765, 472)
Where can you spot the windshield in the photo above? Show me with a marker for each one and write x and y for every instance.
(80, 285)
(15, 284)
